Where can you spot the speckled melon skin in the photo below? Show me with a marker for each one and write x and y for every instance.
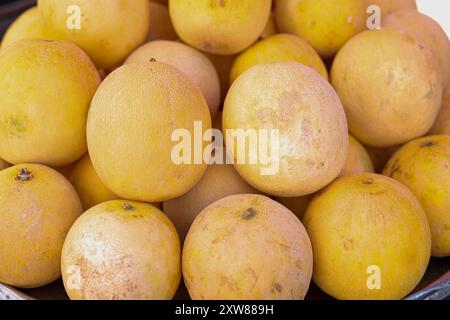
(363, 227)
(423, 165)
(220, 26)
(247, 247)
(121, 250)
(45, 91)
(35, 217)
(304, 108)
(132, 117)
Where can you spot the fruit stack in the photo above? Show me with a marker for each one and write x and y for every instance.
(244, 147)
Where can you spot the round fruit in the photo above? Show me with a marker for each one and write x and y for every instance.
(300, 112)
(325, 24)
(358, 160)
(218, 182)
(247, 247)
(442, 123)
(220, 26)
(387, 6)
(161, 27)
(133, 115)
(423, 165)
(389, 85)
(29, 25)
(121, 250)
(426, 30)
(193, 63)
(374, 243)
(90, 188)
(37, 208)
(45, 91)
(278, 48)
(107, 30)
(297, 205)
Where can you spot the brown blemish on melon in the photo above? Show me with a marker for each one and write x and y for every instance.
(428, 144)
(368, 181)
(248, 214)
(128, 207)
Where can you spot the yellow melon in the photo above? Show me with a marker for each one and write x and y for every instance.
(220, 26)
(423, 165)
(370, 238)
(301, 113)
(107, 30)
(358, 160)
(193, 63)
(121, 250)
(325, 24)
(247, 247)
(29, 25)
(389, 85)
(45, 91)
(90, 188)
(37, 208)
(278, 48)
(426, 30)
(218, 182)
(132, 118)
(161, 27)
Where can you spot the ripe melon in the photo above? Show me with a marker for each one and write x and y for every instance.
(358, 160)
(130, 125)
(218, 182)
(90, 188)
(29, 25)
(312, 129)
(193, 63)
(423, 165)
(278, 48)
(45, 91)
(373, 243)
(247, 247)
(107, 30)
(121, 250)
(442, 123)
(325, 24)
(426, 30)
(389, 85)
(387, 6)
(37, 208)
(220, 26)
(161, 27)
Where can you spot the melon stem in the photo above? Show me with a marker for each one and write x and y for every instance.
(24, 175)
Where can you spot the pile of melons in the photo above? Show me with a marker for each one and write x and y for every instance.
(91, 93)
